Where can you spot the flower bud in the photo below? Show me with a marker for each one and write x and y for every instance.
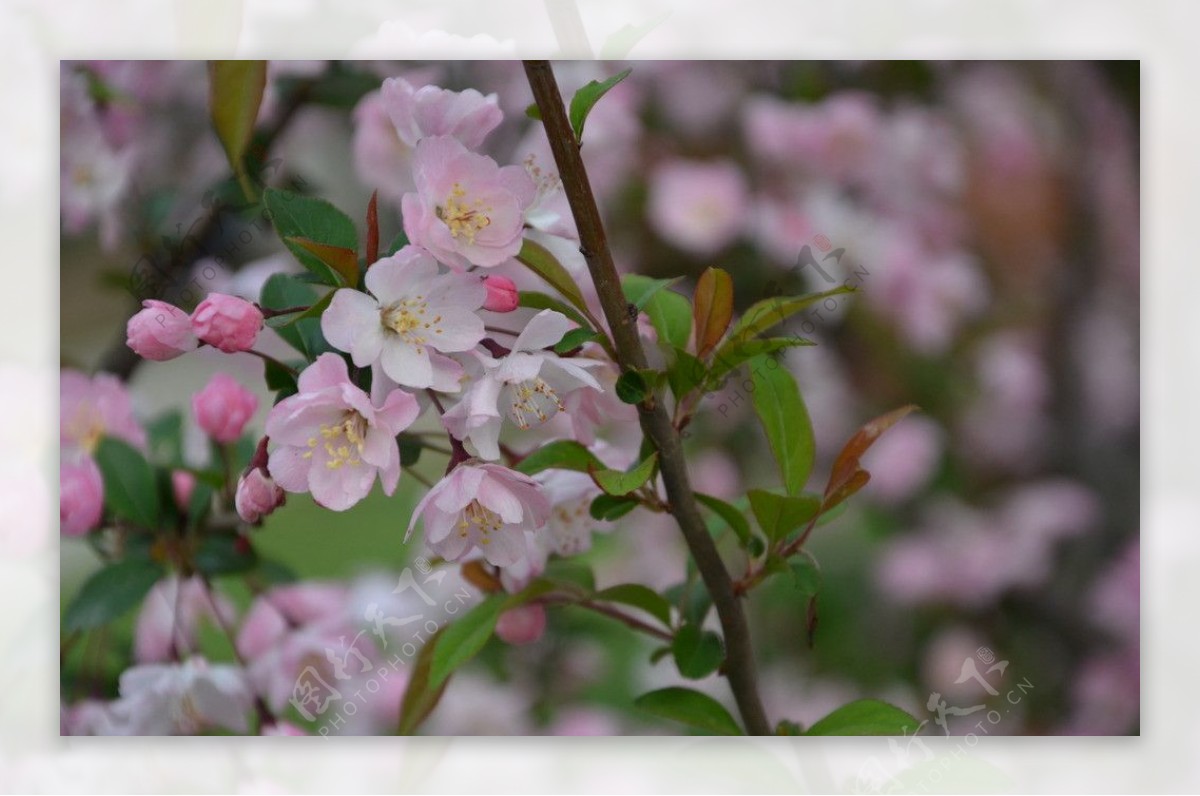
(228, 323)
(223, 408)
(501, 294)
(182, 484)
(160, 331)
(81, 496)
(523, 625)
(257, 495)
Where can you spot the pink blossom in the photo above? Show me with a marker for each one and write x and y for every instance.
(181, 699)
(182, 485)
(257, 495)
(698, 207)
(528, 384)
(501, 294)
(524, 624)
(432, 111)
(413, 315)
(569, 529)
(91, 408)
(227, 322)
(332, 440)
(80, 497)
(223, 408)
(903, 460)
(160, 331)
(467, 210)
(169, 622)
(485, 507)
(381, 159)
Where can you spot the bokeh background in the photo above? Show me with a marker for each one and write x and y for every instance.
(988, 214)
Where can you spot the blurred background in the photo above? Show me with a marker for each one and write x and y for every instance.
(987, 214)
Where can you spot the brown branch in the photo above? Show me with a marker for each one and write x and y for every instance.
(656, 424)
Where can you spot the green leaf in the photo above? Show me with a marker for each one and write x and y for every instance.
(641, 597)
(110, 593)
(341, 260)
(315, 221)
(609, 508)
(130, 490)
(698, 652)
(685, 374)
(733, 518)
(224, 554)
(730, 356)
(199, 504)
(779, 515)
(540, 301)
(281, 291)
(806, 575)
(670, 312)
(865, 717)
(574, 339)
(712, 308)
(617, 482)
(692, 599)
(561, 454)
(419, 697)
(410, 449)
(165, 434)
(463, 638)
(571, 573)
(631, 387)
(784, 418)
(537, 258)
(691, 708)
(767, 313)
(398, 243)
(235, 92)
(586, 98)
(533, 112)
(279, 379)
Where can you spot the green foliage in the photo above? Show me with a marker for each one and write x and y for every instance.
(130, 490)
(563, 454)
(463, 638)
(224, 554)
(541, 301)
(734, 519)
(537, 258)
(784, 418)
(697, 652)
(110, 593)
(586, 98)
(617, 482)
(769, 312)
(670, 312)
(282, 291)
(689, 707)
(779, 515)
(638, 596)
(306, 225)
(609, 508)
(730, 356)
(865, 717)
(235, 92)
(574, 339)
(632, 387)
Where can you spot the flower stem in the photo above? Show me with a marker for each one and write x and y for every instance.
(656, 424)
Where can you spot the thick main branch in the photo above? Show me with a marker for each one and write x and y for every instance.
(739, 660)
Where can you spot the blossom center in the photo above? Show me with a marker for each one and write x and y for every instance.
(408, 318)
(87, 426)
(483, 519)
(533, 403)
(464, 219)
(343, 442)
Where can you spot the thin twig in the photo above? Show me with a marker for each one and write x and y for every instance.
(656, 424)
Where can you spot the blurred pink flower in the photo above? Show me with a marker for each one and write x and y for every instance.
(485, 507)
(160, 331)
(698, 207)
(412, 316)
(331, 440)
(169, 622)
(467, 210)
(223, 408)
(181, 699)
(91, 408)
(182, 485)
(429, 111)
(904, 459)
(524, 624)
(381, 159)
(80, 496)
(227, 322)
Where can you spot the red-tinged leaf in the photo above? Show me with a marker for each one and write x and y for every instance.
(847, 476)
(419, 698)
(373, 229)
(343, 261)
(712, 309)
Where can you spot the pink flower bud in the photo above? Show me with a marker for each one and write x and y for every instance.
(160, 331)
(257, 495)
(182, 484)
(223, 407)
(523, 625)
(81, 496)
(501, 294)
(227, 322)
